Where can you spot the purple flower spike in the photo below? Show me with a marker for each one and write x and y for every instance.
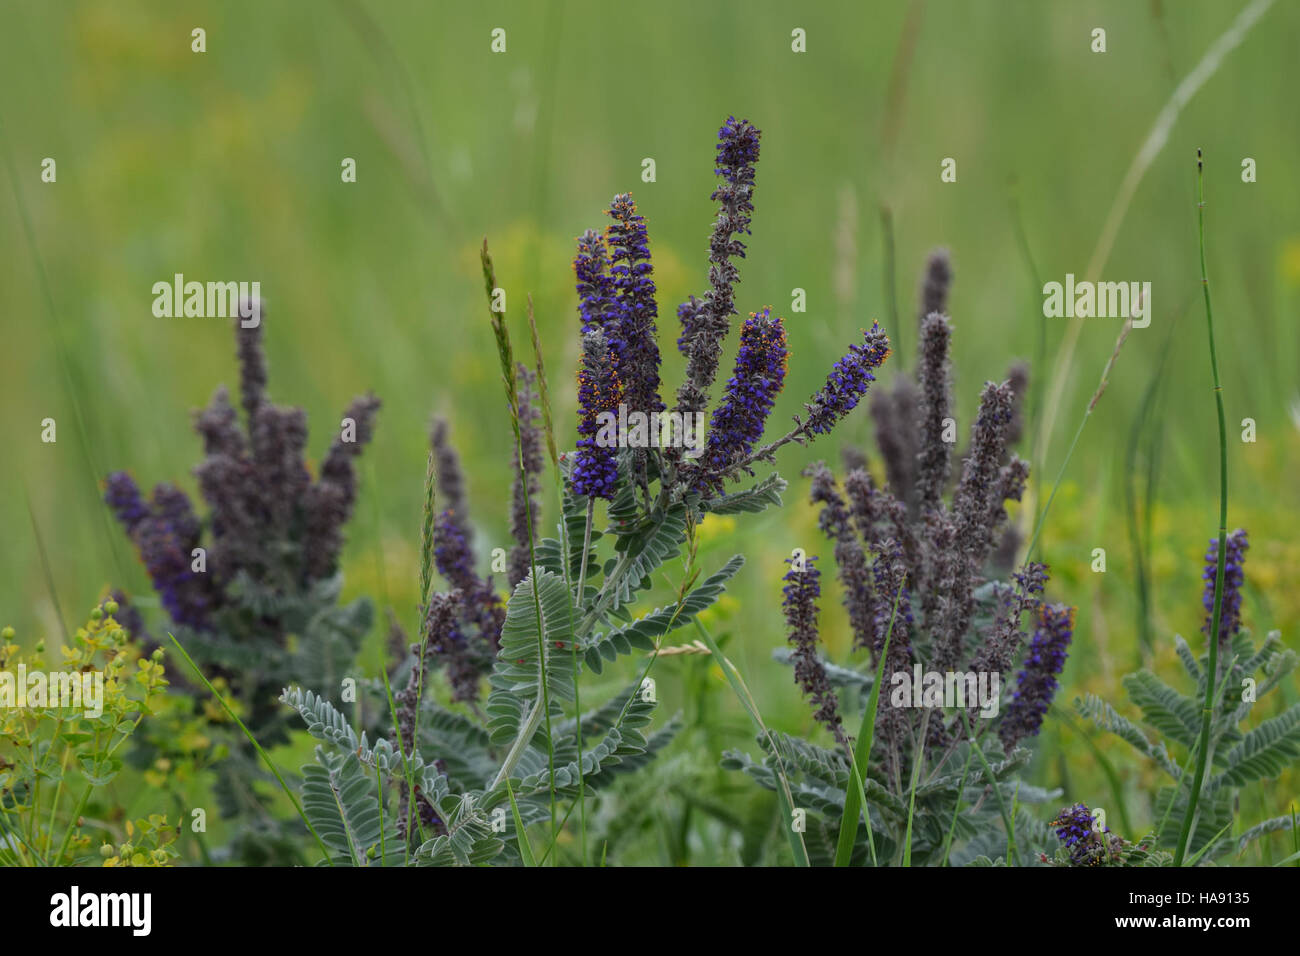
(738, 422)
(600, 390)
(848, 381)
(1036, 684)
(631, 274)
(1233, 578)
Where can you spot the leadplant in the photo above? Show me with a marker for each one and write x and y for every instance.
(447, 783)
(922, 561)
(1234, 756)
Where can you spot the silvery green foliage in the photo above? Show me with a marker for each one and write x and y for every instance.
(1238, 757)
(820, 777)
(355, 792)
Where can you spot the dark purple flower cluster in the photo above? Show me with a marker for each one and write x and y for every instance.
(707, 322)
(616, 301)
(455, 562)
(631, 271)
(1077, 829)
(597, 304)
(1089, 844)
(1036, 683)
(847, 382)
(737, 423)
(462, 628)
(268, 520)
(595, 468)
(165, 533)
(801, 591)
(1233, 579)
(328, 503)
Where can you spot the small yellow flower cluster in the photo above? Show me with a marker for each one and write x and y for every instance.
(153, 846)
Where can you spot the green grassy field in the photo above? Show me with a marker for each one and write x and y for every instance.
(226, 165)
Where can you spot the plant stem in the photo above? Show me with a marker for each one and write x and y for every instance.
(1207, 711)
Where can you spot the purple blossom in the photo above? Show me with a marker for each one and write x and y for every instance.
(595, 468)
(738, 143)
(122, 495)
(597, 305)
(482, 608)
(737, 423)
(1036, 684)
(1077, 829)
(800, 605)
(1233, 578)
(630, 270)
(847, 382)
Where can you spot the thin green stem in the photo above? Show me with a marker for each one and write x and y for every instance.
(251, 739)
(1207, 711)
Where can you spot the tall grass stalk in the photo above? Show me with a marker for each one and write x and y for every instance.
(1092, 404)
(509, 380)
(746, 699)
(1207, 712)
(1155, 141)
(251, 739)
(1012, 852)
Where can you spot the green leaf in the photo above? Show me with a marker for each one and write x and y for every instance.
(525, 848)
(339, 800)
(1175, 716)
(640, 634)
(765, 494)
(517, 677)
(1266, 751)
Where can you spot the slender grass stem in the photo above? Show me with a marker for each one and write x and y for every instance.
(730, 672)
(252, 740)
(1012, 851)
(1211, 676)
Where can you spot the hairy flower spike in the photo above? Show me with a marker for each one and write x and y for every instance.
(935, 285)
(1036, 684)
(836, 522)
(800, 605)
(1233, 578)
(934, 456)
(450, 477)
(597, 304)
(738, 422)
(689, 314)
(977, 502)
(847, 382)
(122, 495)
(330, 500)
(738, 144)
(252, 360)
(895, 413)
(482, 608)
(595, 468)
(631, 271)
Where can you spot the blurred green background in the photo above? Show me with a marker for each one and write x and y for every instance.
(225, 165)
